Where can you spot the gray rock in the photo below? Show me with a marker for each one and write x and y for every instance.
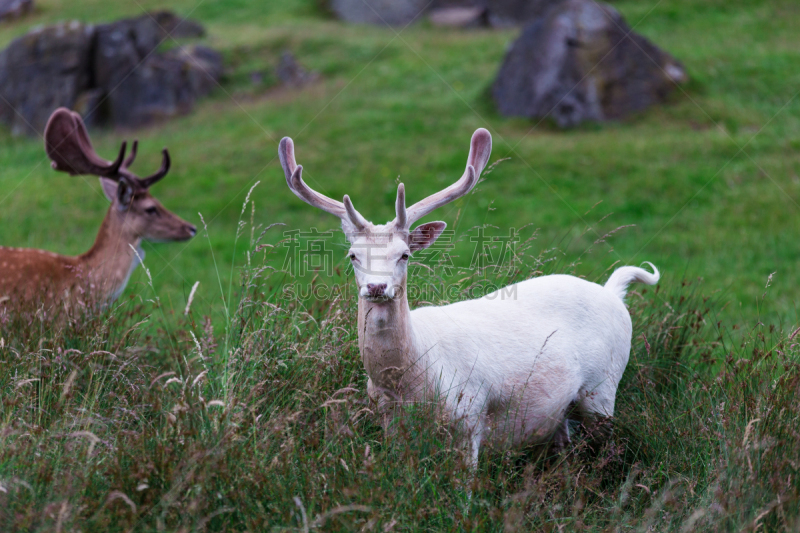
(163, 85)
(109, 73)
(380, 12)
(143, 86)
(175, 26)
(459, 16)
(155, 90)
(500, 13)
(203, 68)
(119, 48)
(47, 68)
(581, 62)
(14, 9)
(89, 105)
(124, 44)
(503, 13)
(291, 73)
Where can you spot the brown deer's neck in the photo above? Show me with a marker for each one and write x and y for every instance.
(112, 259)
(385, 340)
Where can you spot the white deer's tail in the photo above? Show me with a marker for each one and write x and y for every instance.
(624, 276)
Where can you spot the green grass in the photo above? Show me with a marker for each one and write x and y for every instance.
(390, 106)
(266, 427)
(406, 105)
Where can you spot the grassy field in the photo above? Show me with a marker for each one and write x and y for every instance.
(242, 434)
(710, 182)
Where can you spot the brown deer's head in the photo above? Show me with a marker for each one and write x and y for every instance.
(68, 146)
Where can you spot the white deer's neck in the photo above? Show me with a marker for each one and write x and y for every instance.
(113, 257)
(386, 343)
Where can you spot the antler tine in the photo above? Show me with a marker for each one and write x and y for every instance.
(286, 155)
(113, 170)
(479, 152)
(355, 217)
(165, 163)
(83, 136)
(132, 156)
(401, 220)
(294, 179)
(69, 148)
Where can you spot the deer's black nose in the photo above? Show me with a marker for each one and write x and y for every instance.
(192, 229)
(376, 290)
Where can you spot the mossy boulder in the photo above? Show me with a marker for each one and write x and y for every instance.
(110, 73)
(581, 62)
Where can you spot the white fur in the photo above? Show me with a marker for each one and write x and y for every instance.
(509, 364)
(624, 276)
(527, 352)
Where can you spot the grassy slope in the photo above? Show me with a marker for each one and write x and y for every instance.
(405, 105)
(706, 433)
(267, 428)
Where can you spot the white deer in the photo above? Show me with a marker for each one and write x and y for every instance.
(509, 368)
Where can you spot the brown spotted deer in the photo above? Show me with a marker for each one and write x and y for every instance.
(511, 365)
(37, 277)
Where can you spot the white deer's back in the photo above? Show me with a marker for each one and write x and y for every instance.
(535, 346)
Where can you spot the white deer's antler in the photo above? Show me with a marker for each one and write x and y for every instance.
(294, 179)
(479, 151)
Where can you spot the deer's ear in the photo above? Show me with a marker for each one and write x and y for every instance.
(109, 188)
(124, 195)
(424, 235)
(120, 190)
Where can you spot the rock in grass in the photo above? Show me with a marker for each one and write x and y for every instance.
(380, 12)
(459, 17)
(143, 86)
(453, 13)
(494, 13)
(163, 86)
(111, 73)
(581, 62)
(14, 9)
(515, 12)
(292, 73)
(47, 68)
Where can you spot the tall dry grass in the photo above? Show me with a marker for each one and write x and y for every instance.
(123, 420)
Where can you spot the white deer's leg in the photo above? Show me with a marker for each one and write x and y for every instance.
(476, 438)
(598, 402)
(595, 411)
(372, 393)
(561, 437)
(475, 447)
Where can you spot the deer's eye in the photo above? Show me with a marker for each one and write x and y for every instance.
(352, 256)
(151, 211)
(405, 256)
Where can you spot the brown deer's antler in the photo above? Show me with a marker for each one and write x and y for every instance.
(150, 180)
(132, 156)
(68, 146)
